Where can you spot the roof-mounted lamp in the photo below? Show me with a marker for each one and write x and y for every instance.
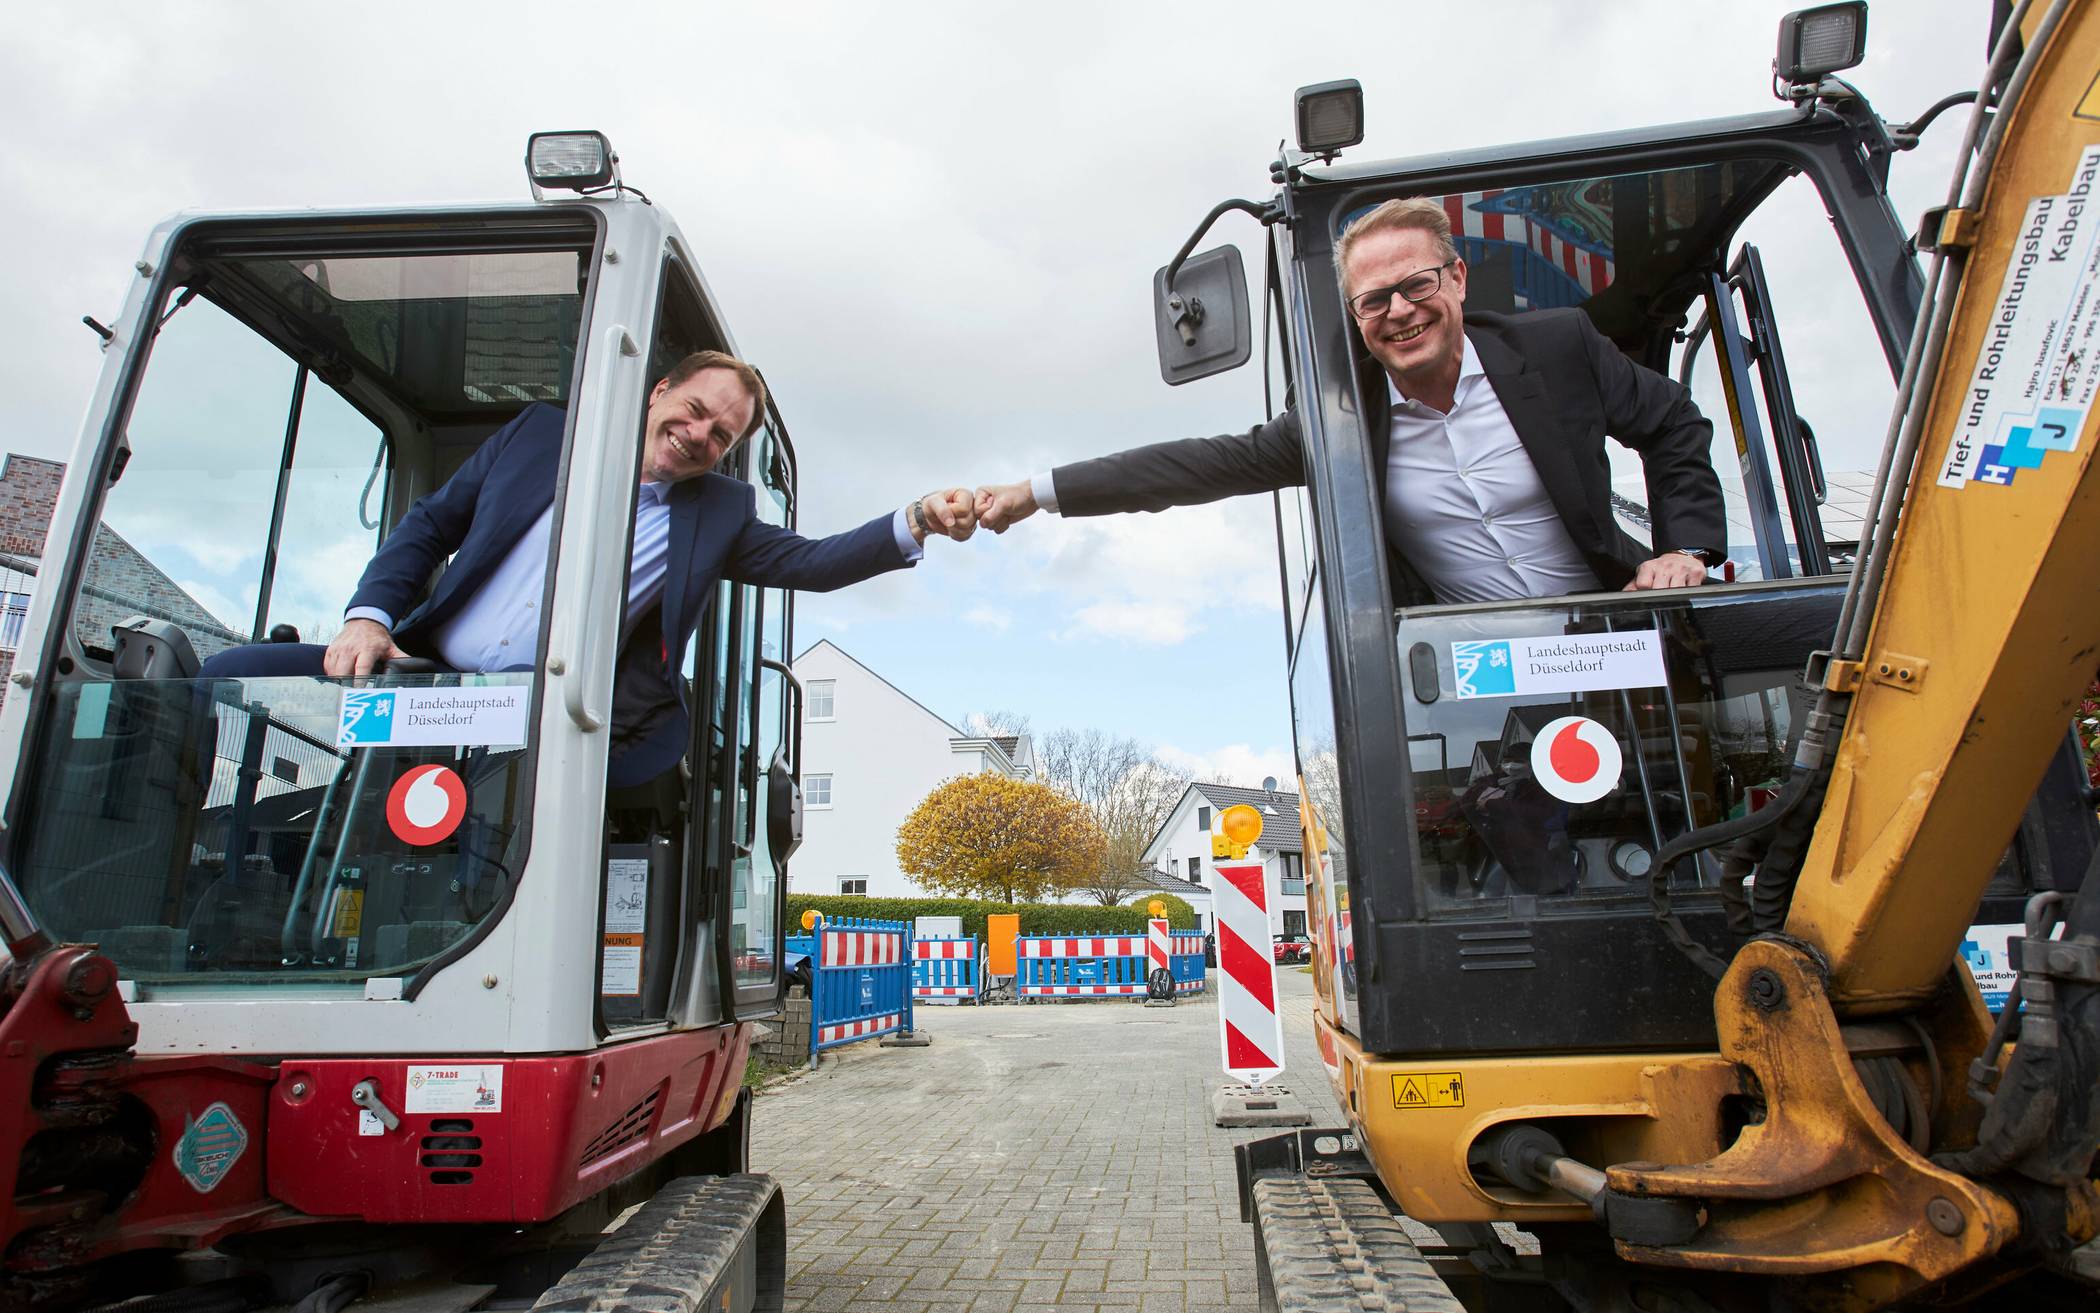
(570, 161)
(1820, 41)
(1330, 117)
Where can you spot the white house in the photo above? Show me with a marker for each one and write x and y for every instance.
(870, 752)
(1195, 895)
(1182, 847)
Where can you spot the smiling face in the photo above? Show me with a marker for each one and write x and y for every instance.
(1416, 341)
(692, 425)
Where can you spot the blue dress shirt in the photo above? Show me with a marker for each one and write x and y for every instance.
(498, 628)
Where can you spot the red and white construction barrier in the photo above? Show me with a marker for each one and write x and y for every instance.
(846, 1030)
(862, 948)
(1249, 1029)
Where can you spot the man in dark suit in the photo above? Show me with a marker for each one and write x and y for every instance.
(1489, 431)
(692, 528)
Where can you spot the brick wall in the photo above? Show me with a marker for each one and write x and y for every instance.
(28, 491)
(787, 1041)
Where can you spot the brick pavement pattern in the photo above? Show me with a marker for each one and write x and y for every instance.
(1039, 1156)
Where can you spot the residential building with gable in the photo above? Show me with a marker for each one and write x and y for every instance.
(124, 583)
(1181, 848)
(870, 753)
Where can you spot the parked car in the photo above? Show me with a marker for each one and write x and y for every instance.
(1293, 948)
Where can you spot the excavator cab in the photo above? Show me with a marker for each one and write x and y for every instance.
(1524, 935)
(471, 963)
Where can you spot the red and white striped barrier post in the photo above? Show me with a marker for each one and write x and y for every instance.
(1159, 948)
(1249, 1029)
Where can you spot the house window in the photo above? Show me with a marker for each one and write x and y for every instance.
(816, 790)
(14, 609)
(854, 884)
(1294, 923)
(1195, 870)
(1203, 819)
(820, 698)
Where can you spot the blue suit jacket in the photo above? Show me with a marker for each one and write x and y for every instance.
(483, 509)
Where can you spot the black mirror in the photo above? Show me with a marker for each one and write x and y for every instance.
(783, 811)
(1202, 321)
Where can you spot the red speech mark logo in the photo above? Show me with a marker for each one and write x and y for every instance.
(426, 805)
(1576, 759)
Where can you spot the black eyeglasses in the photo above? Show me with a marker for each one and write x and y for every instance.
(1418, 286)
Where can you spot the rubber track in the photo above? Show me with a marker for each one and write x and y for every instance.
(669, 1254)
(1334, 1245)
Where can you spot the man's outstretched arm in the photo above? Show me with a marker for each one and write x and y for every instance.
(1187, 472)
(773, 557)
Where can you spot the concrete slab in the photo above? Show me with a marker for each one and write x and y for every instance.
(1034, 1159)
(917, 1039)
(1249, 1105)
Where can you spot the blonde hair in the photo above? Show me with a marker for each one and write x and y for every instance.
(1418, 212)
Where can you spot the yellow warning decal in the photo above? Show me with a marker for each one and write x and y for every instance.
(1429, 1089)
(2088, 106)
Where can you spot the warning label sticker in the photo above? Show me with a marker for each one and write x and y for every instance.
(626, 921)
(1429, 1089)
(2035, 374)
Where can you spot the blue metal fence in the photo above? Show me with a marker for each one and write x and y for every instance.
(947, 970)
(861, 981)
(1101, 966)
(1187, 962)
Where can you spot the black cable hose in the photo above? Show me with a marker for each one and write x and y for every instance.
(1695, 841)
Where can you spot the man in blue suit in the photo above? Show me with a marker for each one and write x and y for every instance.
(692, 528)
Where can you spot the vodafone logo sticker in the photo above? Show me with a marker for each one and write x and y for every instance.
(1576, 759)
(427, 804)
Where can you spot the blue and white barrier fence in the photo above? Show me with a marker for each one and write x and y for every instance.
(862, 981)
(947, 970)
(1100, 966)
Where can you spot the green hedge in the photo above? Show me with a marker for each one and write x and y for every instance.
(1036, 918)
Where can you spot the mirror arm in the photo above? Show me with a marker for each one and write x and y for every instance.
(1187, 314)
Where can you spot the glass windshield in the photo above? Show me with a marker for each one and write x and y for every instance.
(241, 829)
(1556, 748)
(249, 820)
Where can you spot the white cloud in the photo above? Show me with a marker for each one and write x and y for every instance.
(989, 617)
(1235, 763)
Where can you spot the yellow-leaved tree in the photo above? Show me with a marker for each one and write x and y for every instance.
(994, 837)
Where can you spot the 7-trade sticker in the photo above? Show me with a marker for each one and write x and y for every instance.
(1429, 1089)
(1576, 759)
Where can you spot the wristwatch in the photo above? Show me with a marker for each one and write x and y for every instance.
(918, 518)
(1703, 555)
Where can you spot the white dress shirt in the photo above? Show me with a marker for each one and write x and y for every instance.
(1465, 505)
(498, 628)
(1463, 502)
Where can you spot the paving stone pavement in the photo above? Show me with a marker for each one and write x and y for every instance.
(1034, 1156)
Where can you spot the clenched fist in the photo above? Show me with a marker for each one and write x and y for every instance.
(1003, 504)
(952, 513)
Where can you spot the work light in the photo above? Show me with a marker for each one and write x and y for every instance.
(575, 161)
(1330, 116)
(1822, 40)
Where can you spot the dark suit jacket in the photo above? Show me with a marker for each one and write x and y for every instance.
(1564, 386)
(483, 509)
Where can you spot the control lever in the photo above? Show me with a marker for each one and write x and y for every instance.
(366, 1095)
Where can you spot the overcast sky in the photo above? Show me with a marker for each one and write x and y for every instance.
(934, 227)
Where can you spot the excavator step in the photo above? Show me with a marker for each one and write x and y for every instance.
(703, 1242)
(1333, 1245)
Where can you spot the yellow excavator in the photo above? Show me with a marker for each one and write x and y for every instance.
(1734, 947)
